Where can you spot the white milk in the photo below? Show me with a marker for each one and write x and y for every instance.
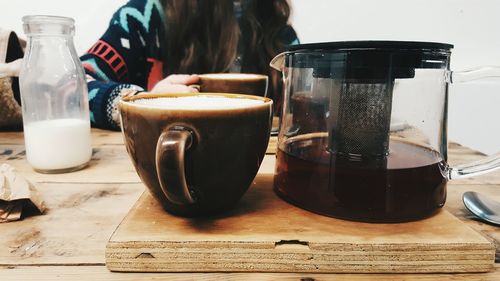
(57, 144)
(199, 102)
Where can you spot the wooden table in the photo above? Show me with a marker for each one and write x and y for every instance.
(85, 207)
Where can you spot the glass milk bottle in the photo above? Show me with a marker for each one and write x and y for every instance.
(54, 97)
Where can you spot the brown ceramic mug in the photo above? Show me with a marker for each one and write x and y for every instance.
(241, 83)
(196, 153)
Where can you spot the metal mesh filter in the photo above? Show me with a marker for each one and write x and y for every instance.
(360, 115)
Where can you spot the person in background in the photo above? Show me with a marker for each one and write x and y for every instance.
(160, 46)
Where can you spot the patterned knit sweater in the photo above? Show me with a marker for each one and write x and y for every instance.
(129, 55)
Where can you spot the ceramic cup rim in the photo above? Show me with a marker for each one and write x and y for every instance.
(233, 76)
(128, 101)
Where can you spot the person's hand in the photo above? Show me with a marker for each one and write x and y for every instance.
(177, 83)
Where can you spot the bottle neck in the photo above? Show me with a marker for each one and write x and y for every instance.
(48, 26)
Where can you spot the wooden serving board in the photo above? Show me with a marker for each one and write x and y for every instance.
(265, 234)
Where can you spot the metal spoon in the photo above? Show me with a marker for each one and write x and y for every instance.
(483, 207)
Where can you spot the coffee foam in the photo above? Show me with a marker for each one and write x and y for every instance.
(198, 102)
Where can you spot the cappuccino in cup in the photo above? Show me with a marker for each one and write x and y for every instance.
(196, 153)
(198, 102)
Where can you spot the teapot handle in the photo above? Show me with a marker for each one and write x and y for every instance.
(487, 164)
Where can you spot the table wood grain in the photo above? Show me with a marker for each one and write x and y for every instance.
(85, 207)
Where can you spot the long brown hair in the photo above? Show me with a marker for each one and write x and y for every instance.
(203, 35)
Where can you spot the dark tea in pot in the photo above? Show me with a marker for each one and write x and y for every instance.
(407, 185)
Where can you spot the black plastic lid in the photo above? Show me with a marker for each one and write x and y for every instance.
(368, 60)
(393, 45)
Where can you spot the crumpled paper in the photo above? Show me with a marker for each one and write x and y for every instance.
(18, 197)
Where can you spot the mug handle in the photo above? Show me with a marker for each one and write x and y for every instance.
(170, 149)
(487, 164)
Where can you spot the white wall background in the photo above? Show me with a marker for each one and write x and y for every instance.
(472, 26)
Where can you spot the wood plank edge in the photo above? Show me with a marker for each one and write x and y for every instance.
(309, 268)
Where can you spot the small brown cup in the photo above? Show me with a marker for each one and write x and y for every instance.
(196, 161)
(241, 83)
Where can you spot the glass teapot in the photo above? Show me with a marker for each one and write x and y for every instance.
(363, 132)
